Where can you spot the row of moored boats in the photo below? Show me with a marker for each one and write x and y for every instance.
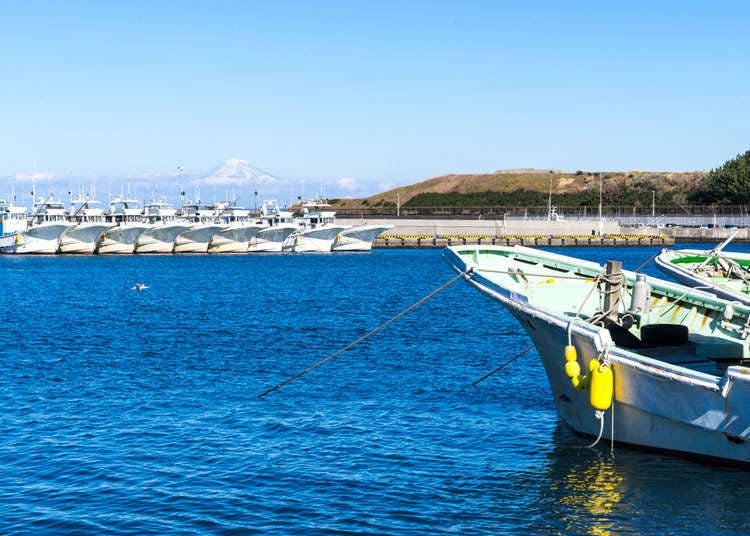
(156, 227)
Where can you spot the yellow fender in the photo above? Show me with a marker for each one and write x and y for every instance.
(602, 385)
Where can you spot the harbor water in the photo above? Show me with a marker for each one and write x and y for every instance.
(137, 412)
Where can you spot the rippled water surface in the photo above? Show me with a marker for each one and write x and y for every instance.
(129, 412)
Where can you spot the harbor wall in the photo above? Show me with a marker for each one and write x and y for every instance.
(695, 234)
(468, 227)
(439, 233)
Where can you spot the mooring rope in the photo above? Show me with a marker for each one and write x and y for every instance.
(644, 263)
(374, 331)
(501, 367)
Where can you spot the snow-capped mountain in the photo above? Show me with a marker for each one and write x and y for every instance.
(237, 172)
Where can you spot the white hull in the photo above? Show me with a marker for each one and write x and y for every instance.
(235, 239)
(160, 238)
(82, 238)
(656, 404)
(270, 239)
(359, 238)
(196, 239)
(7, 241)
(319, 240)
(41, 239)
(121, 240)
(686, 412)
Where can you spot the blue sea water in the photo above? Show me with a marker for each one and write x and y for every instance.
(126, 412)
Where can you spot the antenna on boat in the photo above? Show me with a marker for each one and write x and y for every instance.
(714, 253)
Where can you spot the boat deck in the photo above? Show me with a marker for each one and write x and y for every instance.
(710, 355)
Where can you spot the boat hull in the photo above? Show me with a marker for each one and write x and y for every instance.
(358, 238)
(8, 240)
(196, 239)
(160, 238)
(234, 239)
(655, 404)
(82, 239)
(682, 273)
(41, 239)
(270, 239)
(120, 240)
(319, 240)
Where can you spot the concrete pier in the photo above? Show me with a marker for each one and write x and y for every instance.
(439, 233)
(435, 227)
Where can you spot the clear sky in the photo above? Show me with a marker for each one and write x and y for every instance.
(381, 93)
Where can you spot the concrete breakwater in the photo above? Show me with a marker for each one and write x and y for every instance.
(439, 233)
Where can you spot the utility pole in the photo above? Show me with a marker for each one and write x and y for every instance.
(549, 201)
(653, 203)
(601, 221)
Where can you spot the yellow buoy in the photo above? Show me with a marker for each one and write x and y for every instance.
(572, 368)
(602, 385)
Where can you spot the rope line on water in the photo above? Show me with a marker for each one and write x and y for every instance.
(501, 367)
(644, 263)
(374, 331)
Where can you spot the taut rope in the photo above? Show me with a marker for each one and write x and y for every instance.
(373, 332)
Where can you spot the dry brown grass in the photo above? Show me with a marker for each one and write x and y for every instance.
(536, 180)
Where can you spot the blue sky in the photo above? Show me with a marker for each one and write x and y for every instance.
(378, 93)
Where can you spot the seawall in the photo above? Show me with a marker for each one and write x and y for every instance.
(442, 232)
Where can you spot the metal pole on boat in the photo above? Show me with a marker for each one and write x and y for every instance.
(612, 289)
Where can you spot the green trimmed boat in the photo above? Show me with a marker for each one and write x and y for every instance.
(630, 358)
(726, 274)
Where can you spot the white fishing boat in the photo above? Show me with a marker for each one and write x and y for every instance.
(633, 359)
(240, 228)
(316, 229)
(277, 225)
(42, 237)
(90, 223)
(358, 238)
(724, 273)
(127, 216)
(13, 221)
(205, 224)
(160, 236)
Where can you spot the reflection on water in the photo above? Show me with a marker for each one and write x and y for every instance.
(597, 488)
(633, 491)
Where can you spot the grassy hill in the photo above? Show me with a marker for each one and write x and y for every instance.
(532, 186)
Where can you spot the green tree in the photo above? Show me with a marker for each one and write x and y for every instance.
(728, 184)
